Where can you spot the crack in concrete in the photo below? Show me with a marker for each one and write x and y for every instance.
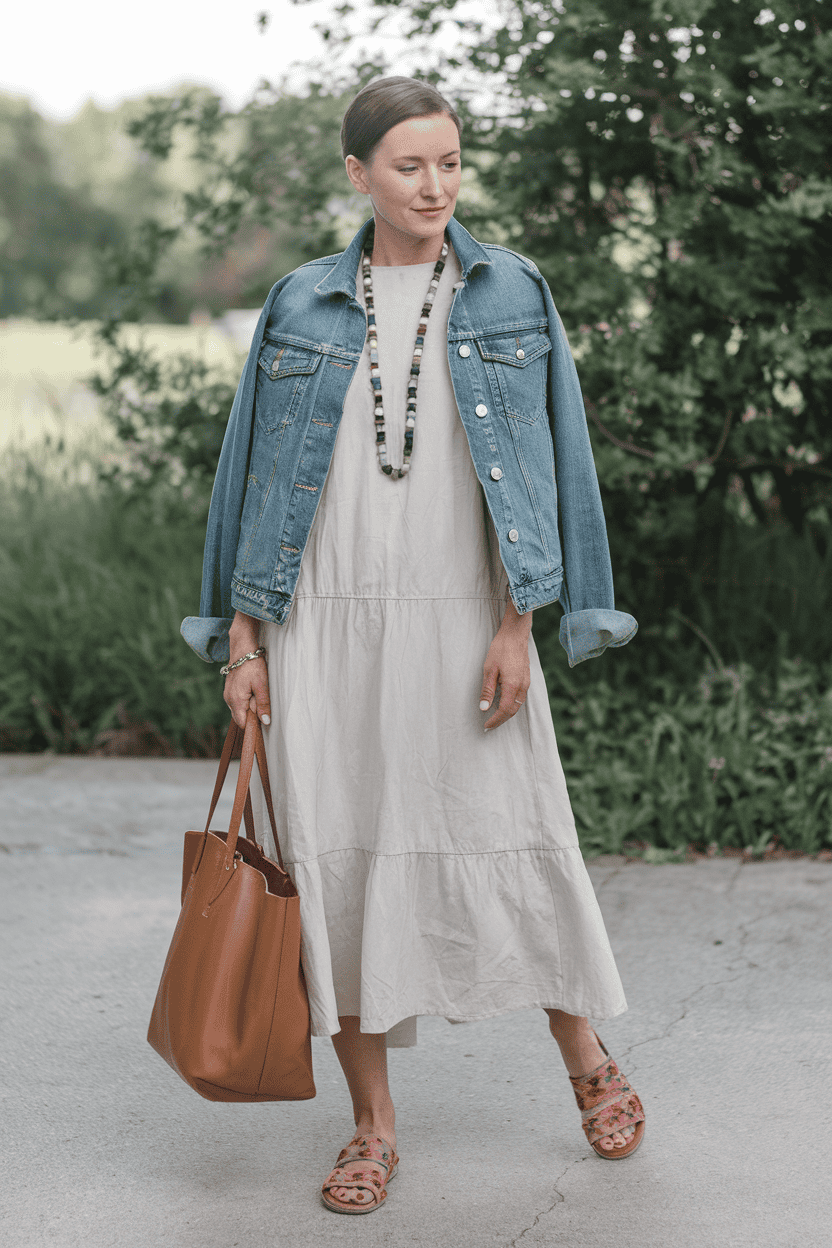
(741, 931)
(560, 1200)
(674, 1022)
(734, 877)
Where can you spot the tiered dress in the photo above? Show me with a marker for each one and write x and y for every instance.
(438, 865)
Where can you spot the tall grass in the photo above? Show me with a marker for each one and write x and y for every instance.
(683, 737)
(730, 758)
(94, 586)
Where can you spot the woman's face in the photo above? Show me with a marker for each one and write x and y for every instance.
(412, 176)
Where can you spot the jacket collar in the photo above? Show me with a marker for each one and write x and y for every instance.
(341, 277)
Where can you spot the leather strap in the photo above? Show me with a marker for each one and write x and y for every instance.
(230, 744)
(252, 746)
(254, 737)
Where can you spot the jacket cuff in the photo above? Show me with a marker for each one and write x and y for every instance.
(208, 637)
(586, 634)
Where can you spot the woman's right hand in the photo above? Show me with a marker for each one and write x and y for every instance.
(247, 687)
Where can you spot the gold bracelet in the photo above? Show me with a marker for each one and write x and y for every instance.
(255, 654)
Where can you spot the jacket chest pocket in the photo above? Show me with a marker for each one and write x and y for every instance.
(517, 362)
(283, 373)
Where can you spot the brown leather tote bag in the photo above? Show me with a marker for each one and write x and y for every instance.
(232, 1013)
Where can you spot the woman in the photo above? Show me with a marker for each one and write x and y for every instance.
(427, 828)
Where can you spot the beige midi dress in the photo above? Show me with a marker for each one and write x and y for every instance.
(438, 865)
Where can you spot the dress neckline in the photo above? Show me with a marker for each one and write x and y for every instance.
(398, 268)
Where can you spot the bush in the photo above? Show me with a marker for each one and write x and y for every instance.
(729, 757)
(662, 742)
(95, 584)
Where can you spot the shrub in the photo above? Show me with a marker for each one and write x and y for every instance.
(95, 584)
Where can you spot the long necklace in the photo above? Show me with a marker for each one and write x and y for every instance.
(375, 376)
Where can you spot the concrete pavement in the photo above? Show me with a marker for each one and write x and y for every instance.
(726, 969)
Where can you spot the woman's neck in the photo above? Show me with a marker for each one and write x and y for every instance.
(393, 247)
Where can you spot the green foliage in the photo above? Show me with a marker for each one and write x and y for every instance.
(668, 167)
(737, 758)
(50, 232)
(678, 202)
(171, 416)
(94, 660)
(278, 159)
(95, 586)
(76, 198)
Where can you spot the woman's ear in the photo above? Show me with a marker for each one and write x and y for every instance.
(357, 175)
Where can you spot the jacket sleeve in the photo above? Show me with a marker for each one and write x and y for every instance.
(207, 633)
(590, 622)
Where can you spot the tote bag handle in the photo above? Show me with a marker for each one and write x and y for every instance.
(253, 746)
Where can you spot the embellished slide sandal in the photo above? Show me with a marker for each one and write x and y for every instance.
(368, 1189)
(607, 1104)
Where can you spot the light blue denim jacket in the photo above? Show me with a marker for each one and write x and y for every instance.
(520, 402)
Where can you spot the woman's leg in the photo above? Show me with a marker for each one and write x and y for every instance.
(581, 1053)
(363, 1058)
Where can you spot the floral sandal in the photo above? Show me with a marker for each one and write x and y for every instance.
(608, 1103)
(369, 1190)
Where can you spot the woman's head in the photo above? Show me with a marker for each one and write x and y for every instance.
(401, 143)
(386, 103)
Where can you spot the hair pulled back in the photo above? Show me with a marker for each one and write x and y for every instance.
(383, 104)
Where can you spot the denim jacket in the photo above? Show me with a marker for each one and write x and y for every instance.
(520, 403)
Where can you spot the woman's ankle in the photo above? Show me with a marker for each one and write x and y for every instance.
(576, 1040)
(380, 1120)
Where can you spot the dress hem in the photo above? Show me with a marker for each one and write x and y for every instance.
(602, 1016)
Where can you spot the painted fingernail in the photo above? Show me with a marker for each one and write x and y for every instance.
(487, 729)
(265, 719)
(484, 705)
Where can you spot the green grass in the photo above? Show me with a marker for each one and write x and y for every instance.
(731, 758)
(94, 588)
(662, 743)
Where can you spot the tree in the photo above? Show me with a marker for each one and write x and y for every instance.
(50, 233)
(667, 164)
(263, 192)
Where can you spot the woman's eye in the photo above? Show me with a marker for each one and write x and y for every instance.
(448, 164)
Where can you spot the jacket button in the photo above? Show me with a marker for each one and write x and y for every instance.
(481, 409)
(496, 473)
(513, 535)
(521, 355)
(465, 350)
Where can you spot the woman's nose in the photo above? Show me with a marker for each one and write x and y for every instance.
(431, 186)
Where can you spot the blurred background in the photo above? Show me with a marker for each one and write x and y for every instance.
(666, 165)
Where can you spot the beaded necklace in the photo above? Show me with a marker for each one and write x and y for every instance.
(375, 376)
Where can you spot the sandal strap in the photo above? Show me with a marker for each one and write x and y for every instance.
(369, 1148)
(626, 1111)
(355, 1178)
(606, 1101)
(603, 1084)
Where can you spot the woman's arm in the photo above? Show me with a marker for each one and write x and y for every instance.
(507, 661)
(248, 685)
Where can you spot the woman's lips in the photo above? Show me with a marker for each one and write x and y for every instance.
(430, 212)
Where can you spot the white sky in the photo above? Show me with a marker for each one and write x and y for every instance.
(60, 53)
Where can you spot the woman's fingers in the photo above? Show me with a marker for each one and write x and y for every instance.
(248, 689)
(489, 687)
(506, 665)
(260, 691)
(512, 697)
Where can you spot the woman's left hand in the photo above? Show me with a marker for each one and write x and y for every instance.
(507, 662)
